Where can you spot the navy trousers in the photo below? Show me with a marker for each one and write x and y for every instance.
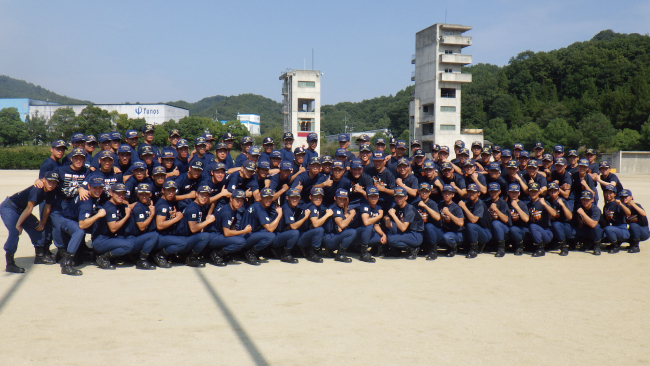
(67, 234)
(10, 215)
(312, 237)
(183, 244)
(638, 232)
(343, 239)
(259, 240)
(117, 246)
(540, 235)
(617, 233)
(366, 235)
(562, 230)
(474, 233)
(286, 239)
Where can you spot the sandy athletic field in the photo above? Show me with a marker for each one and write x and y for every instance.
(575, 310)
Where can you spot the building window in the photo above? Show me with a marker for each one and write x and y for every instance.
(447, 127)
(449, 52)
(448, 93)
(427, 109)
(447, 109)
(306, 124)
(306, 105)
(427, 129)
(306, 84)
(449, 71)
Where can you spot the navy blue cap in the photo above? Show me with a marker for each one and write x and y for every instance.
(512, 164)
(468, 162)
(238, 193)
(96, 182)
(221, 146)
(401, 144)
(338, 164)
(496, 148)
(314, 160)
(590, 151)
(459, 143)
(392, 141)
(378, 155)
(363, 137)
(219, 166)
(435, 147)
(428, 164)
(118, 187)
(312, 136)
(169, 184)
(326, 159)
(197, 164)
(604, 164)
(533, 187)
(583, 162)
(519, 146)
(506, 152)
(116, 135)
(52, 175)
(298, 150)
(174, 132)
(263, 164)
(493, 187)
(446, 166)
(146, 150)
(539, 145)
(495, 166)
(229, 136)
(104, 136)
(399, 192)
(249, 165)
(343, 193)
(106, 154)
(254, 150)
(610, 187)
(344, 137)
(267, 140)
(548, 157)
(143, 188)
(148, 127)
(208, 136)
(372, 191)
(524, 154)
(472, 187)
(182, 143)
(316, 191)
(78, 152)
(124, 148)
(166, 154)
(553, 185)
(625, 193)
(293, 192)
(403, 161)
(379, 141)
(514, 187)
(139, 165)
(532, 163)
(424, 186)
(275, 154)
(204, 188)
(418, 152)
(560, 161)
(158, 170)
(267, 192)
(286, 165)
(364, 147)
(59, 143)
(244, 140)
(341, 152)
(287, 136)
(558, 148)
(463, 151)
(356, 163)
(477, 143)
(486, 151)
(90, 138)
(200, 141)
(129, 134)
(448, 188)
(573, 153)
(78, 137)
(586, 195)
(415, 142)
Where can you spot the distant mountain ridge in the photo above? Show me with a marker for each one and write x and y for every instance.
(14, 88)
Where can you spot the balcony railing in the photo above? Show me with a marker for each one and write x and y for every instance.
(412, 75)
(413, 58)
(462, 41)
(456, 59)
(456, 77)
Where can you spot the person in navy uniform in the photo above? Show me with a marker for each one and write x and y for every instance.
(229, 140)
(275, 158)
(637, 221)
(558, 152)
(500, 214)
(517, 148)
(359, 182)
(538, 151)
(245, 179)
(124, 161)
(200, 148)
(416, 162)
(326, 162)
(383, 179)
(196, 218)
(281, 181)
(430, 176)
(148, 136)
(209, 143)
(562, 178)
(142, 227)
(263, 217)
(217, 183)
(16, 212)
(344, 143)
(430, 214)
(561, 221)
(310, 151)
(341, 233)
(297, 163)
(182, 152)
(288, 232)
(477, 221)
(91, 145)
(227, 239)
(139, 175)
(606, 177)
(369, 232)
(109, 232)
(332, 183)
(476, 149)
(287, 150)
(174, 138)
(221, 156)
(484, 160)
(167, 161)
(532, 176)
(406, 179)
(506, 156)
(572, 158)
(586, 221)
(267, 147)
(296, 217)
(404, 225)
(449, 177)
(583, 182)
(187, 184)
(614, 214)
(540, 213)
(168, 219)
(494, 176)
(77, 141)
(320, 216)
(131, 140)
(520, 218)
(246, 143)
(400, 151)
(306, 180)
(471, 176)
(364, 155)
(453, 220)
(53, 162)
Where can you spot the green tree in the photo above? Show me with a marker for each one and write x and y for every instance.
(645, 135)
(13, 131)
(37, 129)
(93, 121)
(597, 131)
(626, 140)
(238, 131)
(559, 132)
(496, 131)
(63, 123)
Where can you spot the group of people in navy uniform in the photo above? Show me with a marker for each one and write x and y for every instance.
(157, 206)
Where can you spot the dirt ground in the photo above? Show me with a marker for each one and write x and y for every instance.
(575, 310)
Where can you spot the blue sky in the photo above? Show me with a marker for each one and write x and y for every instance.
(146, 51)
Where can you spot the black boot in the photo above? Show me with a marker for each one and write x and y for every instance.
(313, 256)
(473, 251)
(519, 248)
(251, 257)
(597, 248)
(47, 253)
(501, 249)
(365, 255)
(451, 252)
(564, 248)
(66, 265)
(161, 259)
(433, 253)
(412, 253)
(340, 256)
(634, 247)
(104, 261)
(41, 258)
(143, 262)
(58, 258)
(275, 254)
(217, 258)
(614, 247)
(287, 257)
(192, 260)
(11, 264)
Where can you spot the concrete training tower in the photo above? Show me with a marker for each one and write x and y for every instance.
(301, 104)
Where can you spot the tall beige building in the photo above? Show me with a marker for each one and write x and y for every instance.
(434, 111)
(301, 104)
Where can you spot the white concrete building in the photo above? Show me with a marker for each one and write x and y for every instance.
(434, 111)
(301, 104)
(152, 113)
(250, 121)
